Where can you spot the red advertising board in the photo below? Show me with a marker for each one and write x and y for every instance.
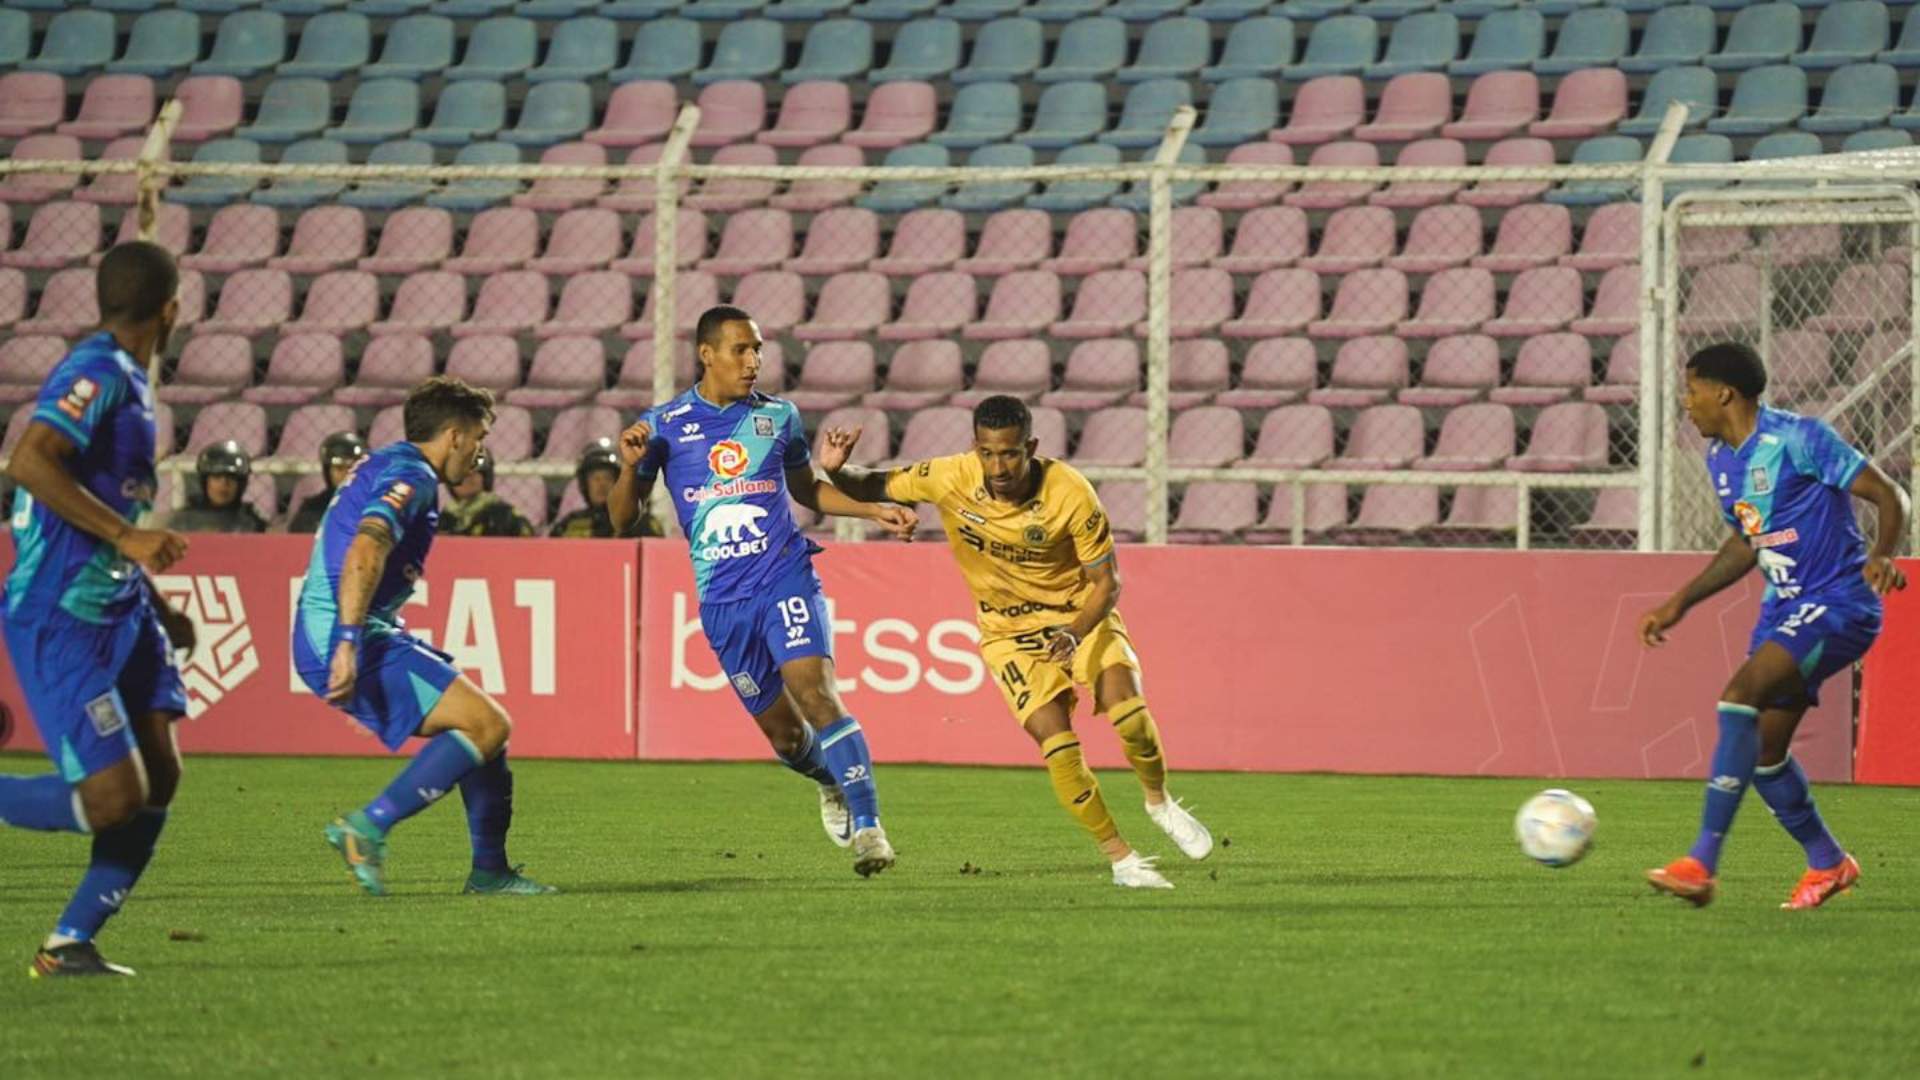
(547, 628)
(1888, 751)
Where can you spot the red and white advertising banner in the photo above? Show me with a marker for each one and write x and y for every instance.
(1365, 661)
(1889, 746)
(547, 628)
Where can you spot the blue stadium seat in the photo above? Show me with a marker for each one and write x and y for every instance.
(246, 44)
(498, 49)
(580, 50)
(1428, 41)
(1699, 150)
(135, 6)
(640, 9)
(1693, 85)
(1068, 114)
(331, 45)
(205, 7)
(1848, 32)
(1674, 36)
(664, 50)
(1146, 11)
(1474, 9)
(16, 37)
(1073, 196)
(303, 193)
(417, 46)
(1139, 194)
(1877, 139)
(989, 196)
(895, 10)
(76, 42)
(1148, 110)
(1856, 97)
(1257, 48)
(291, 109)
(749, 49)
(1505, 41)
(836, 50)
(553, 112)
(472, 9)
(726, 11)
(392, 194)
(1063, 10)
(1239, 111)
(1311, 10)
(1638, 7)
(899, 196)
(42, 5)
(1341, 45)
(1173, 48)
(1088, 49)
(1004, 50)
(1588, 38)
(805, 10)
(465, 111)
(303, 8)
(219, 190)
(1601, 150)
(160, 44)
(1551, 8)
(1905, 52)
(981, 10)
(380, 109)
(389, 9)
(1765, 99)
(472, 196)
(1761, 34)
(924, 50)
(1228, 11)
(1785, 144)
(545, 10)
(1389, 10)
(981, 113)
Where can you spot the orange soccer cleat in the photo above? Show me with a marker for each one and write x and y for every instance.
(1818, 886)
(1686, 878)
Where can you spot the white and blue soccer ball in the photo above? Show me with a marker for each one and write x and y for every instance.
(1555, 828)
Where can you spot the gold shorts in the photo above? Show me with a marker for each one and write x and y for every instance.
(1029, 680)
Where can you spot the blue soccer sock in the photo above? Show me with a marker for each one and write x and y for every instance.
(432, 773)
(120, 855)
(1734, 757)
(488, 793)
(41, 803)
(808, 760)
(844, 750)
(1784, 787)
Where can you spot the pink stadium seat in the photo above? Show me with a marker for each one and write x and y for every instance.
(637, 113)
(1707, 246)
(1126, 504)
(689, 243)
(1354, 238)
(67, 307)
(339, 303)
(1010, 240)
(36, 187)
(922, 374)
(241, 421)
(1020, 368)
(303, 367)
(1324, 109)
(1023, 303)
(25, 363)
(113, 106)
(1325, 510)
(565, 371)
(1620, 385)
(1588, 103)
(635, 194)
(1797, 245)
(1293, 437)
(1454, 301)
(1616, 304)
(239, 236)
(590, 304)
(13, 295)
(1800, 369)
(328, 238)
(175, 229)
(1197, 236)
(1383, 437)
(1500, 104)
(1611, 238)
(1108, 302)
(727, 193)
(500, 238)
(1614, 521)
(1426, 154)
(1368, 302)
(1267, 238)
(1727, 299)
(896, 114)
(1537, 234)
(1550, 368)
(695, 293)
(1280, 302)
(512, 436)
(115, 189)
(1333, 194)
(389, 428)
(1539, 301)
(1207, 437)
(811, 113)
(489, 361)
(1393, 514)
(1515, 152)
(527, 494)
(30, 102)
(212, 367)
(1567, 437)
(633, 388)
(851, 305)
(1481, 515)
(731, 111)
(389, 367)
(777, 298)
(574, 428)
(556, 194)
(425, 303)
(583, 239)
(1095, 240)
(1201, 301)
(1457, 370)
(937, 305)
(1440, 237)
(841, 239)
(812, 196)
(1099, 374)
(936, 432)
(1366, 371)
(757, 239)
(1865, 298)
(212, 106)
(1473, 438)
(1413, 106)
(251, 303)
(1251, 194)
(1212, 511)
(60, 234)
(412, 240)
(510, 302)
(1276, 371)
(1113, 436)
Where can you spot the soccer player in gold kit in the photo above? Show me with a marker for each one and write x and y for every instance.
(1037, 551)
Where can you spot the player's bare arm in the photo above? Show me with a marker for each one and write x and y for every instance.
(629, 491)
(40, 465)
(360, 571)
(816, 493)
(1890, 500)
(1101, 600)
(1729, 565)
(866, 485)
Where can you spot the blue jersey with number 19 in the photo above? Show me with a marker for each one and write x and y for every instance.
(397, 487)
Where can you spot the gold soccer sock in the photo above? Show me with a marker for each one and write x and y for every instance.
(1140, 738)
(1075, 786)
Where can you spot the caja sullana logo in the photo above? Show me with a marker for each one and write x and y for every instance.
(223, 656)
(727, 459)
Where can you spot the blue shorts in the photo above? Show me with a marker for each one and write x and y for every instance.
(1824, 638)
(83, 681)
(754, 637)
(401, 680)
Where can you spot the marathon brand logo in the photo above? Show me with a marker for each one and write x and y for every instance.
(398, 494)
(79, 397)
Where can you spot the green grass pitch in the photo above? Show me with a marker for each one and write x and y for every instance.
(1345, 927)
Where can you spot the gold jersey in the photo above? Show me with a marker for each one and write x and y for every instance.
(1021, 561)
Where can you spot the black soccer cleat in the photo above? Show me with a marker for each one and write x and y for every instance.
(79, 958)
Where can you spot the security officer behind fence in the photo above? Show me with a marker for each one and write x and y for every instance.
(338, 453)
(223, 470)
(473, 509)
(598, 469)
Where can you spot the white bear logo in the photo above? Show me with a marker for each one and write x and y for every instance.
(723, 524)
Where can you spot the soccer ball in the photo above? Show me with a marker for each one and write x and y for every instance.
(1555, 828)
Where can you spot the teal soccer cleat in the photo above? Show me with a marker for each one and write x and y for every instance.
(363, 848)
(510, 883)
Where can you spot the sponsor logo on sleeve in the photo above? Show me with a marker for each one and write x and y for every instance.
(398, 494)
(79, 397)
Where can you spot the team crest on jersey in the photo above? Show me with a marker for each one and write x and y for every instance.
(1758, 482)
(728, 459)
(744, 683)
(398, 495)
(763, 426)
(1034, 535)
(106, 714)
(79, 396)
(1749, 518)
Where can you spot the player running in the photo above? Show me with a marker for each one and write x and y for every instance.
(1036, 549)
(1783, 482)
(351, 648)
(87, 633)
(731, 457)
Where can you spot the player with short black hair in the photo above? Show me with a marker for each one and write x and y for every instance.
(1783, 481)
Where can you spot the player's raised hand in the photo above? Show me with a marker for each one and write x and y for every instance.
(1882, 575)
(633, 443)
(155, 549)
(836, 446)
(899, 522)
(1655, 623)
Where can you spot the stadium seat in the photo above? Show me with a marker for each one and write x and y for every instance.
(574, 428)
(332, 44)
(1367, 302)
(1251, 194)
(302, 367)
(834, 50)
(1107, 303)
(116, 189)
(689, 244)
(937, 305)
(899, 196)
(1605, 149)
(1697, 150)
(22, 188)
(1113, 437)
(212, 367)
(76, 42)
(246, 44)
(1366, 372)
(1325, 512)
(923, 50)
(1215, 511)
(16, 39)
(1174, 47)
(427, 302)
(1275, 372)
(1477, 437)
(30, 102)
(1905, 52)
(1353, 238)
(301, 191)
(1239, 113)
(552, 112)
(1324, 109)
(1539, 301)
(1849, 32)
(324, 238)
(1279, 303)
(1536, 234)
(161, 44)
(1457, 370)
(1023, 303)
(243, 422)
(498, 49)
(832, 375)
(464, 112)
(219, 190)
(1267, 238)
(1694, 86)
(1786, 144)
(1068, 114)
(777, 298)
(1383, 437)
(1341, 45)
(211, 107)
(755, 239)
(851, 306)
(290, 109)
(25, 364)
(1616, 304)
(664, 50)
(1589, 38)
(1257, 47)
(1198, 234)
(1761, 35)
(1201, 301)
(509, 302)
(237, 237)
(897, 114)
(748, 50)
(810, 113)
(633, 387)
(469, 196)
(1499, 105)
(1412, 106)
(734, 111)
(1587, 103)
(1506, 40)
(581, 239)
(252, 302)
(928, 240)
(1453, 301)
(492, 362)
(415, 47)
(1765, 99)
(1424, 41)
(1610, 238)
(1095, 240)
(1333, 194)
(1675, 36)
(1568, 437)
(1865, 298)
(1550, 368)
(920, 376)
(1091, 49)
(380, 109)
(840, 239)
(1418, 194)
(565, 371)
(980, 113)
(1004, 50)
(638, 113)
(1010, 240)
(1855, 97)
(1070, 196)
(1441, 236)
(392, 194)
(581, 49)
(989, 196)
(1149, 108)
(66, 308)
(1018, 368)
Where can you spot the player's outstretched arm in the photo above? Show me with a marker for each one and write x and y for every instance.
(866, 485)
(629, 491)
(39, 465)
(1729, 565)
(821, 496)
(1891, 501)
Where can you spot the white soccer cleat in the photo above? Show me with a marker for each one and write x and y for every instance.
(871, 852)
(834, 815)
(1136, 871)
(1191, 837)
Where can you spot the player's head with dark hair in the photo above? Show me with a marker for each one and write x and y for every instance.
(1723, 380)
(729, 347)
(1003, 439)
(137, 286)
(448, 418)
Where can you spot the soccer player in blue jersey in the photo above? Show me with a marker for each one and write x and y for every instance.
(1783, 481)
(351, 648)
(87, 633)
(731, 458)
